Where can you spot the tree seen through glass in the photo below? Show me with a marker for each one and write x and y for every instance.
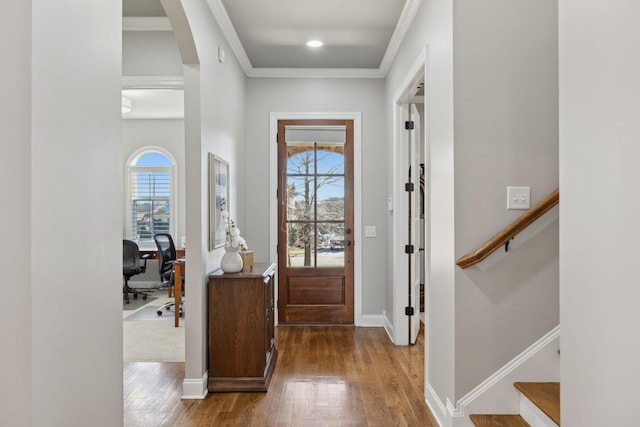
(315, 204)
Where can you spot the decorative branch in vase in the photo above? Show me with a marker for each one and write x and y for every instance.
(231, 261)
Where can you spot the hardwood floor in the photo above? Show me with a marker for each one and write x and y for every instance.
(325, 376)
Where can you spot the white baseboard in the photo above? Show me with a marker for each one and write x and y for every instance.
(434, 403)
(388, 326)
(497, 394)
(195, 388)
(372, 321)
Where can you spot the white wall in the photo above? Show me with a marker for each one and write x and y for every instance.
(432, 30)
(266, 95)
(599, 152)
(214, 123)
(76, 157)
(15, 257)
(491, 66)
(506, 133)
(167, 135)
(150, 53)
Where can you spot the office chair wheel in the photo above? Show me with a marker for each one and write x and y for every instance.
(144, 297)
(159, 312)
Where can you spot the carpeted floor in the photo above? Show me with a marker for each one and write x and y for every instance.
(149, 313)
(148, 337)
(136, 303)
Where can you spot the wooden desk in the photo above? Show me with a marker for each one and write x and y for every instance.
(177, 284)
(154, 253)
(179, 268)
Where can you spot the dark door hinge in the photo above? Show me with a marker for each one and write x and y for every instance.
(408, 311)
(409, 125)
(409, 186)
(408, 249)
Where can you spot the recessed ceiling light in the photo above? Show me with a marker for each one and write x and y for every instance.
(314, 43)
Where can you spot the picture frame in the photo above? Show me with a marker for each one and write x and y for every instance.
(218, 193)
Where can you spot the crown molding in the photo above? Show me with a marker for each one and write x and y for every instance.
(404, 22)
(143, 23)
(152, 82)
(317, 73)
(229, 32)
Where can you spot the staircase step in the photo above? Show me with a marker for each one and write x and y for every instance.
(484, 420)
(545, 396)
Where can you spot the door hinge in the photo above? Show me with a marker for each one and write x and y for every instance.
(408, 249)
(408, 311)
(409, 125)
(408, 186)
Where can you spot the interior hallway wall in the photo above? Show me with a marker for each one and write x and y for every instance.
(15, 255)
(266, 95)
(215, 96)
(506, 134)
(62, 166)
(432, 34)
(599, 174)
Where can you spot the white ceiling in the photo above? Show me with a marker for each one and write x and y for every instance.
(268, 37)
(355, 33)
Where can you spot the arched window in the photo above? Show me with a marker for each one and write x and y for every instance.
(151, 204)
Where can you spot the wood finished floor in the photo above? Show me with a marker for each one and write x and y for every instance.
(325, 376)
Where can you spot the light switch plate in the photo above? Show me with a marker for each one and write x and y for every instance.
(518, 197)
(370, 231)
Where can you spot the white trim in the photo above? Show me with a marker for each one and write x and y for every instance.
(319, 73)
(173, 196)
(195, 389)
(229, 32)
(388, 326)
(401, 100)
(146, 23)
(357, 192)
(506, 369)
(372, 321)
(435, 405)
(152, 82)
(404, 22)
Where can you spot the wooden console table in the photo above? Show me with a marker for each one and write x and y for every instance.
(242, 345)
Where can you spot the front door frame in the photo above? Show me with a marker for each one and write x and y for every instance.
(357, 194)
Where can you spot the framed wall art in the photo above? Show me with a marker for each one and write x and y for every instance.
(218, 200)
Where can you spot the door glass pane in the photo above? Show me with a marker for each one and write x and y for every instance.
(330, 158)
(301, 245)
(330, 198)
(315, 195)
(300, 158)
(300, 198)
(331, 250)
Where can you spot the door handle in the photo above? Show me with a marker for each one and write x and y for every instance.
(348, 242)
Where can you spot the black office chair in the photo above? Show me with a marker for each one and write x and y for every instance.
(166, 259)
(131, 267)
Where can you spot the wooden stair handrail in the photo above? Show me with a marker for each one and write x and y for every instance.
(510, 231)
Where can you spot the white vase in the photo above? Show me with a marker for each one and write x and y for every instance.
(231, 261)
